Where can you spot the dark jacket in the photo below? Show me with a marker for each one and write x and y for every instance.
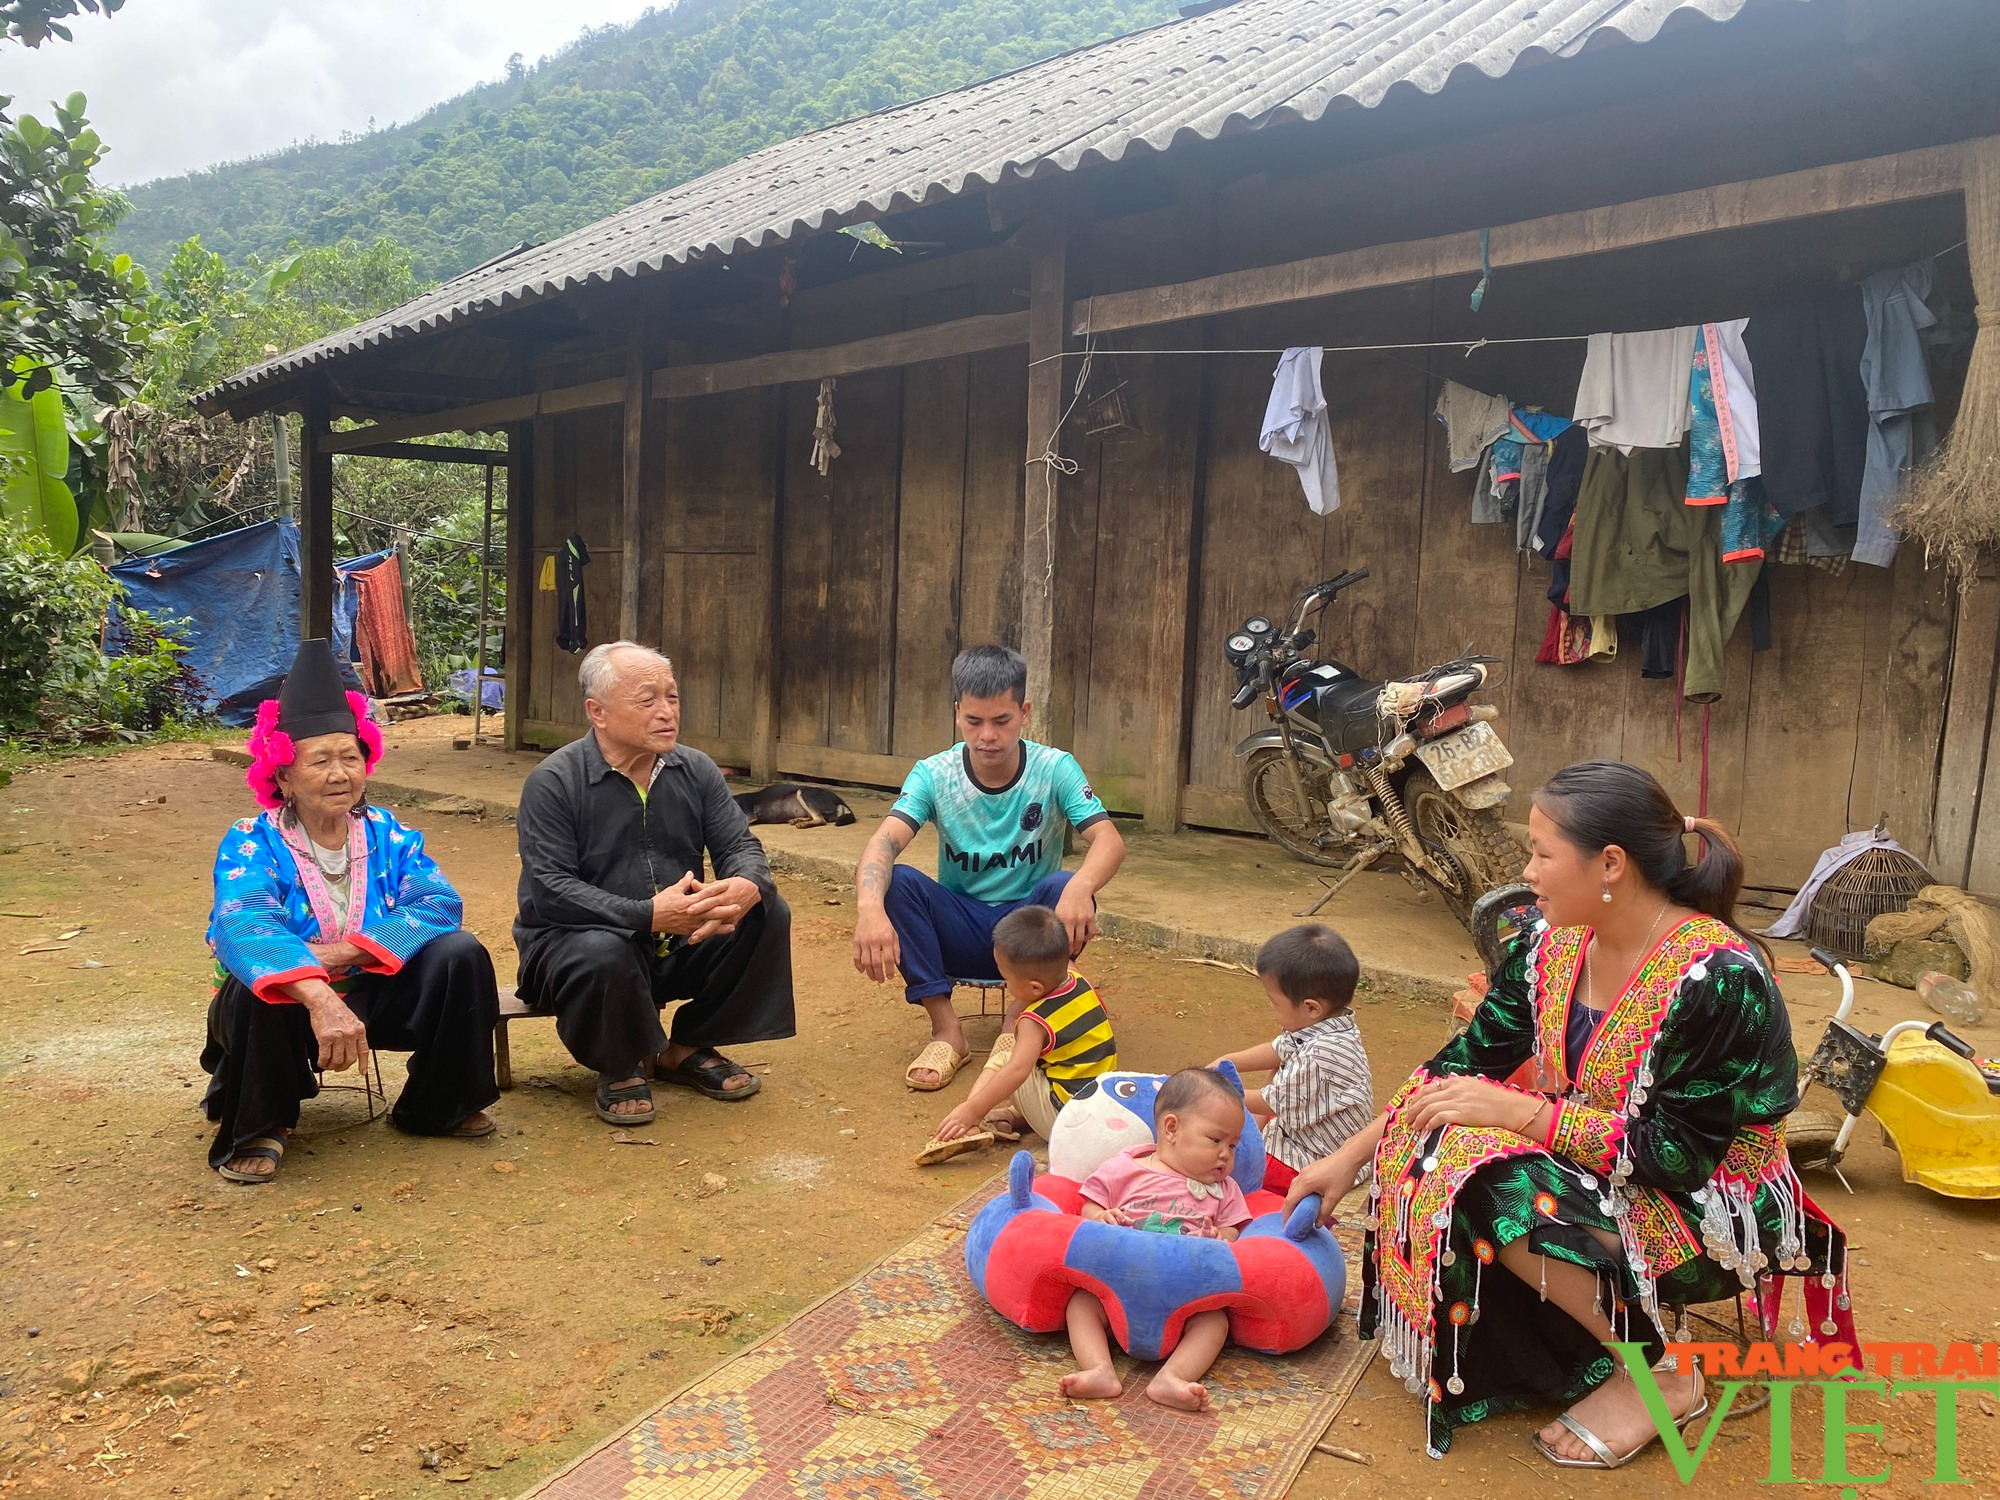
(593, 854)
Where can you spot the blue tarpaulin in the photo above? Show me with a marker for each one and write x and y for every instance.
(239, 594)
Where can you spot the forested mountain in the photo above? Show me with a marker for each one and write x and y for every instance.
(623, 113)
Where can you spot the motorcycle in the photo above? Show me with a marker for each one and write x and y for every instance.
(1351, 771)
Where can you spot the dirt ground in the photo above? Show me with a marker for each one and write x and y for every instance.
(398, 1314)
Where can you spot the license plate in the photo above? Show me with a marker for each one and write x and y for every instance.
(1465, 755)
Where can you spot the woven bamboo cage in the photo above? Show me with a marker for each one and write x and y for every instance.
(1867, 886)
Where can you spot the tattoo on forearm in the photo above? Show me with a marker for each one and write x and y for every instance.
(872, 879)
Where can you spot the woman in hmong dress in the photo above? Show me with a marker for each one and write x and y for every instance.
(335, 933)
(1606, 1137)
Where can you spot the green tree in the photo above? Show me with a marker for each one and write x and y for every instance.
(32, 22)
(624, 113)
(67, 303)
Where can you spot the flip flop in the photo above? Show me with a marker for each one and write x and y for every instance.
(473, 1133)
(1605, 1458)
(270, 1148)
(608, 1095)
(1003, 1130)
(936, 1150)
(703, 1071)
(939, 1058)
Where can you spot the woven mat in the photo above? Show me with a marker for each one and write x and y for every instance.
(905, 1383)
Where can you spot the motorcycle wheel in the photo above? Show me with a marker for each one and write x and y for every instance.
(1274, 803)
(1478, 849)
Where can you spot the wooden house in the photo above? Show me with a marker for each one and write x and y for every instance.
(1180, 204)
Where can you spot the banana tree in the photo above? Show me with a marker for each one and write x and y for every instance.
(35, 495)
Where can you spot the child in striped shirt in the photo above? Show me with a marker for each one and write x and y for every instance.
(1055, 1038)
(1321, 1092)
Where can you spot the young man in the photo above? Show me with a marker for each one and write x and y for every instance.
(1001, 804)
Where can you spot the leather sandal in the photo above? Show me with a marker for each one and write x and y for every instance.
(1604, 1458)
(937, 1057)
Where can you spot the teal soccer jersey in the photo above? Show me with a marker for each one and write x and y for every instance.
(996, 844)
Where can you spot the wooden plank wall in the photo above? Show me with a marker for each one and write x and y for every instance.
(909, 549)
(579, 479)
(717, 495)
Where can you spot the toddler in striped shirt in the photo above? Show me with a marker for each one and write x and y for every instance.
(1320, 1092)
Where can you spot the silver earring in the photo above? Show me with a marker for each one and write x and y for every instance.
(1607, 892)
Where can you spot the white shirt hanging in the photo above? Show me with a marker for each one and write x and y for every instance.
(1634, 391)
(1296, 430)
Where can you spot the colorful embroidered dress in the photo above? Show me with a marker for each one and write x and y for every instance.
(1667, 1134)
(270, 900)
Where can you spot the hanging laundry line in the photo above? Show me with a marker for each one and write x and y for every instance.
(1470, 346)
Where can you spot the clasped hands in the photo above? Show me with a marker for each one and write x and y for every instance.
(696, 911)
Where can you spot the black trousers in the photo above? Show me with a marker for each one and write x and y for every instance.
(440, 1007)
(607, 989)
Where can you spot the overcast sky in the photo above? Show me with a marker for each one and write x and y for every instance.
(180, 84)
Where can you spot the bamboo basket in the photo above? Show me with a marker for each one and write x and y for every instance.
(1879, 881)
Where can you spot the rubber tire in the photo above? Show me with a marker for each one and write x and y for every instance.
(1809, 1136)
(1293, 841)
(1487, 854)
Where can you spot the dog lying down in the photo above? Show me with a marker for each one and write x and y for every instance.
(801, 806)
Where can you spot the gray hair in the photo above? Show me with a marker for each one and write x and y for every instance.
(987, 672)
(597, 674)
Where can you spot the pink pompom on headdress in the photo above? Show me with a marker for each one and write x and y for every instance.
(270, 748)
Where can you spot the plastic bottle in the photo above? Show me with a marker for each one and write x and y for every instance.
(1953, 999)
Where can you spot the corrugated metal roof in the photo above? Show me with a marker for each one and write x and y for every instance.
(1246, 66)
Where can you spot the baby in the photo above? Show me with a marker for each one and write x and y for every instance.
(1181, 1185)
(1321, 1093)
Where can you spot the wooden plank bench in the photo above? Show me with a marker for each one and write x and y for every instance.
(512, 1008)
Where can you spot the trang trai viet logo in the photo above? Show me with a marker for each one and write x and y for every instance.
(1887, 1370)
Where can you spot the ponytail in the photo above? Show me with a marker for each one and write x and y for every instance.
(1712, 883)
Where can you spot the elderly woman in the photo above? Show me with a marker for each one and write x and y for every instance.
(333, 933)
(1603, 1145)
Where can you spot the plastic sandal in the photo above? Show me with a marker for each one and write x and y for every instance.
(940, 1059)
(936, 1150)
(703, 1071)
(608, 1095)
(270, 1148)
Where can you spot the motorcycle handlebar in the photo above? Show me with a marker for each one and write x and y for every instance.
(1245, 695)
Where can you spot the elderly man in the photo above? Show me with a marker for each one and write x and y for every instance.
(1001, 804)
(617, 916)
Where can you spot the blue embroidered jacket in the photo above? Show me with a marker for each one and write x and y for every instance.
(263, 919)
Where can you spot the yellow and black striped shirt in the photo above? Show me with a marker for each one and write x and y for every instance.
(1080, 1044)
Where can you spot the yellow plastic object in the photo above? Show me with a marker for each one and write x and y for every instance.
(1945, 1125)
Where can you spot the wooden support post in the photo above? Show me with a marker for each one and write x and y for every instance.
(765, 677)
(316, 581)
(631, 509)
(1965, 760)
(1047, 240)
(518, 643)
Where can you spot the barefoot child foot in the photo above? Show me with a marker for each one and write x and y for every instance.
(1100, 1383)
(1169, 1389)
